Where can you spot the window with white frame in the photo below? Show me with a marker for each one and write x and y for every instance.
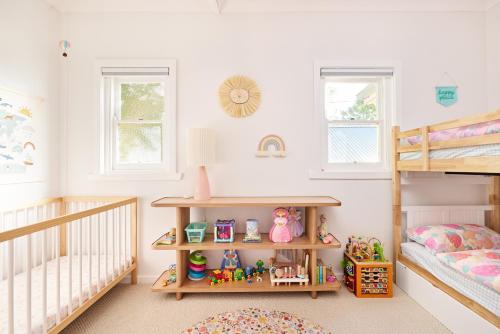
(356, 113)
(137, 118)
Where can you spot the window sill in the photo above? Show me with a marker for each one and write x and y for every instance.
(343, 175)
(139, 176)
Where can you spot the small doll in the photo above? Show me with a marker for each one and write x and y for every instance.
(280, 231)
(323, 234)
(294, 222)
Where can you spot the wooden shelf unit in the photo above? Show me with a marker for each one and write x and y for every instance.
(309, 242)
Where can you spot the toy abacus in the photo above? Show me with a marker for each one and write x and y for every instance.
(196, 266)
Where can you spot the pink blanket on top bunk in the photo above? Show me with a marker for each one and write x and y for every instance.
(479, 129)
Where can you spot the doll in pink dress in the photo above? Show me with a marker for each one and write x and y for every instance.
(294, 222)
(280, 231)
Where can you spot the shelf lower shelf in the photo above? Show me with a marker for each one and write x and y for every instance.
(239, 286)
(208, 244)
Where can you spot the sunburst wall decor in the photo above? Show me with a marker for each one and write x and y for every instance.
(239, 96)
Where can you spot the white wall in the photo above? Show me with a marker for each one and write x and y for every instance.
(29, 63)
(278, 51)
(493, 56)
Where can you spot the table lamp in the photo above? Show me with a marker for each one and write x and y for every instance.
(201, 153)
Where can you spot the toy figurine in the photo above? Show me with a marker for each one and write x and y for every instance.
(323, 227)
(330, 275)
(169, 238)
(171, 276)
(260, 266)
(238, 274)
(294, 217)
(249, 279)
(249, 271)
(259, 278)
(280, 231)
(378, 252)
(230, 260)
(323, 234)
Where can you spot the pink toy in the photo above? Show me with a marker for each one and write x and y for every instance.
(294, 222)
(280, 231)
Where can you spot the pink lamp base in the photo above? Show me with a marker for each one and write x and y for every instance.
(202, 189)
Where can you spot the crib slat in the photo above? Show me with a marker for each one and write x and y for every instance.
(113, 243)
(106, 247)
(80, 262)
(10, 284)
(44, 280)
(36, 237)
(70, 267)
(58, 274)
(28, 282)
(98, 253)
(119, 240)
(89, 254)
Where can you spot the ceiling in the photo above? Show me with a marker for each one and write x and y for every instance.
(261, 6)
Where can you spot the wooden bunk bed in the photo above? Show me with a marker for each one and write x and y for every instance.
(425, 159)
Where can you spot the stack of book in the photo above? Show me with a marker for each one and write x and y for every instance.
(320, 272)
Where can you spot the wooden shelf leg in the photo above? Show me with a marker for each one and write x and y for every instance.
(182, 220)
(311, 223)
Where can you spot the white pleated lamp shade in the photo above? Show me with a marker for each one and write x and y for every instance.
(200, 147)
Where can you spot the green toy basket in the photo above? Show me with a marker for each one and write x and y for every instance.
(195, 232)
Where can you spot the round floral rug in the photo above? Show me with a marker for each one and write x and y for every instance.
(254, 320)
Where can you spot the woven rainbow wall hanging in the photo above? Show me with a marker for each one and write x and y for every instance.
(271, 145)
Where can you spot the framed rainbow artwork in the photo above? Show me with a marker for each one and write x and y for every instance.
(271, 145)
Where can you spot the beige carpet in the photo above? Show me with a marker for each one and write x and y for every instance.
(135, 309)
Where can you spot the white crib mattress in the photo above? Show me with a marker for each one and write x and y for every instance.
(36, 291)
(455, 153)
(476, 291)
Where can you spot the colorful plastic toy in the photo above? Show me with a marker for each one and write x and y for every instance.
(238, 274)
(280, 232)
(260, 266)
(224, 230)
(195, 231)
(249, 271)
(196, 266)
(171, 275)
(230, 260)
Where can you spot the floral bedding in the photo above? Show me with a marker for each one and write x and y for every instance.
(482, 265)
(447, 238)
(479, 129)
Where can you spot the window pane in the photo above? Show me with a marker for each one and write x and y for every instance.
(353, 143)
(351, 100)
(139, 143)
(142, 101)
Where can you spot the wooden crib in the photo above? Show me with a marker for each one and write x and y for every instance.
(60, 255)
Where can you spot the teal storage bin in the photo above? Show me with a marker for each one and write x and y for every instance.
(195, 231)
